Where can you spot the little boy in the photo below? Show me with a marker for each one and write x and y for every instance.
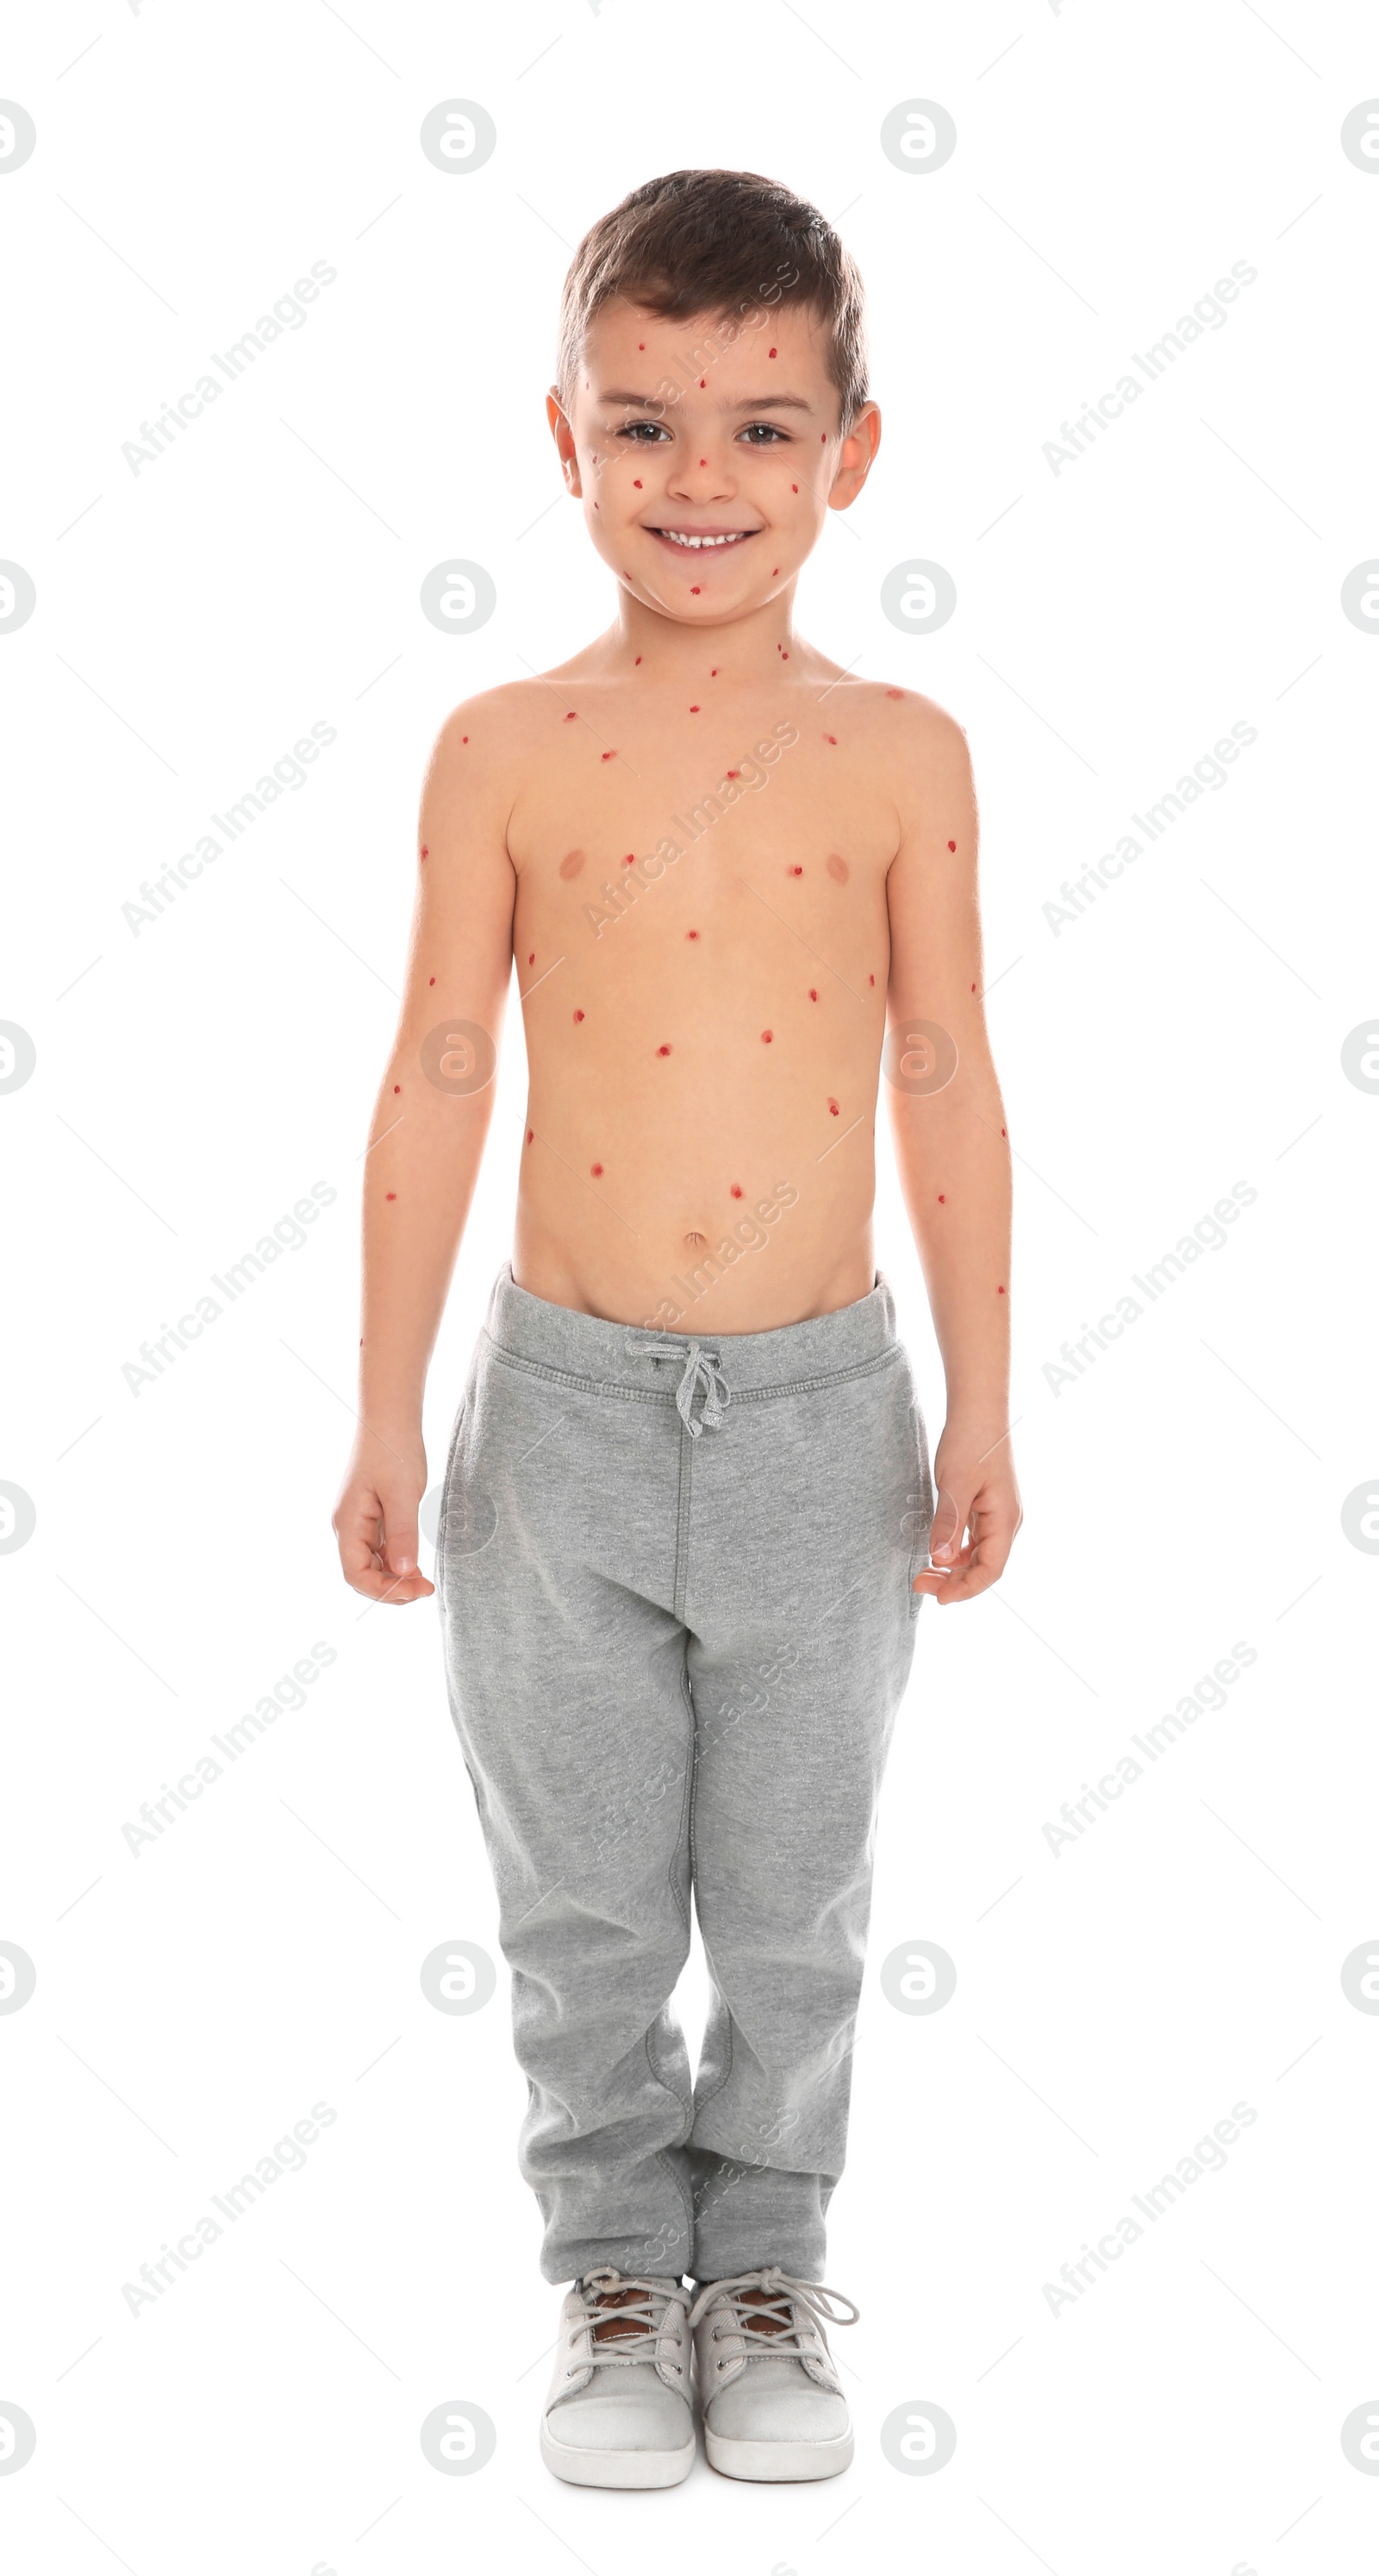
(688, 1496)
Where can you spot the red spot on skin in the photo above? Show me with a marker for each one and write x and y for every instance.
(608, 755)
(396, 1088)
(464, 736)
(636, 486)
(663, 1050)
(871, 979)
(775, 568)
(531, 1131)
(631, 859)
(702, 382)
(770, 353)
(1000, 1292)
(714, 673)
(571, 864)
(784, 655)
(425, 854)
(794, 487)
(571, 717)
(597, 1170)
(794, 872)
(823, 438)
(813, 995)
(595, 506)
(831, 737)
(433, 979)
(736, 1190)
(579, 1015)
(694, 590)
(895, 693)
(694, 711)
(641, 344)
(952, 845)
(691, 934)
(838, 868)
(734, 773)
(392, 1194)
(942, 1200)
(833, 1109)
(766, 1036)
(974, 988)
(531, 961)
(703, 460)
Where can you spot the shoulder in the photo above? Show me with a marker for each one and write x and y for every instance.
(489, 733)
(482, 752)
(914, 728)
(915, 750)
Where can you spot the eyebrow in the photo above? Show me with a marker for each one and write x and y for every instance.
(758, 402)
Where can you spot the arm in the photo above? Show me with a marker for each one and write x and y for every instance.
(952, 1151)
(426, 1141)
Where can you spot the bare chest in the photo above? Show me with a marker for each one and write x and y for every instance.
(736, 868)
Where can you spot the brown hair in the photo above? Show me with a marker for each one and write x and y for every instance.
(724, 242)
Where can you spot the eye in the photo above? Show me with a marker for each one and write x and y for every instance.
(761, 432)
(642, 433)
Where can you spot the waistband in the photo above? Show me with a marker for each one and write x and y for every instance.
(624, 1357)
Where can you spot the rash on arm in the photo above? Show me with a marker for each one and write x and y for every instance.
(426, 1141)
(951, 1144)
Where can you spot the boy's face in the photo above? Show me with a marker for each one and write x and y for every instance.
(712, 429)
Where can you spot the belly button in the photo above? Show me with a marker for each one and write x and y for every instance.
(693, 1237)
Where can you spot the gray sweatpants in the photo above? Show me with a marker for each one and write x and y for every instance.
(674, 1579)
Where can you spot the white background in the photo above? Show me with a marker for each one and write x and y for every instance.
(1185, 1492)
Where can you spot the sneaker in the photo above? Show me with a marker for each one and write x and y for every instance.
(618, 2413)
(768, 2385)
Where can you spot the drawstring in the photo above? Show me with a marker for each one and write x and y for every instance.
(701, 1370)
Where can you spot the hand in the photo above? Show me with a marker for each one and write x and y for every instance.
(375, 1520)
(977, 1492)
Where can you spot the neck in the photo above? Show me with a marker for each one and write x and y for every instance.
(743, 651)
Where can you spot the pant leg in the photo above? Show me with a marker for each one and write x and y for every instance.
(566, 1671)
(807, 1513)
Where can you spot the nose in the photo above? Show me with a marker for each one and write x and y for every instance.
(703, 469)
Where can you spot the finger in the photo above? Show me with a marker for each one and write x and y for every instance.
(986, 1564)
(946, 1529)
(361, 1532)
(975, 1567)
(359, 1536)
(380, 1586)
(400, 1533)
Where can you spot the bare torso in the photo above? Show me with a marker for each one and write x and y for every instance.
(698, 1146)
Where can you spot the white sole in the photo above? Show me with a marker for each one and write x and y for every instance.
(589, 2468)
(778, 2462)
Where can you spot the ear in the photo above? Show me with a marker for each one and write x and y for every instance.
(564, 438)
(855, 457)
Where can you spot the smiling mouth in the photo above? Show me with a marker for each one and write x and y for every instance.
(688, 541)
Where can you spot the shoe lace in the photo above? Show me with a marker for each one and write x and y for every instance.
(640, 2319)
(769, 2316)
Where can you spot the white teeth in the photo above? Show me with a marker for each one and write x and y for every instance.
(677, 540)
